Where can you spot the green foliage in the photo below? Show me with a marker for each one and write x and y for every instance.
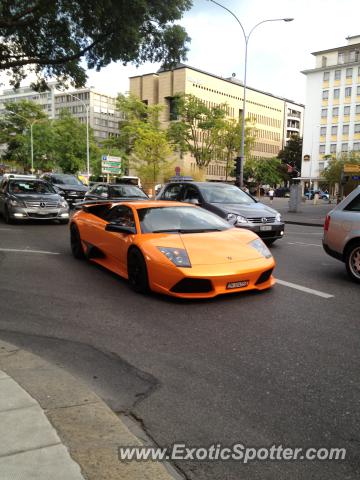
(291, 154)
(198, 129)
(263, 171)
(333, 172)
(52, 38)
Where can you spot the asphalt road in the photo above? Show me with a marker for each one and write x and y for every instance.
(278, 367)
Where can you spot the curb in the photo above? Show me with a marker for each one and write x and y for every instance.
(87, 427)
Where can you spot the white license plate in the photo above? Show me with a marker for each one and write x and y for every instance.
(265, 228)
(241, 284)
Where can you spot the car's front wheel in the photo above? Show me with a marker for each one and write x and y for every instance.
(75, 242)
(352, 261)
(137, 272)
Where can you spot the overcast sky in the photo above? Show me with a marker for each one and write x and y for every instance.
(277, 52)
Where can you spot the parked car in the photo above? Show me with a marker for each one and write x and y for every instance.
(26, 198)
(342, 233)
(171, 248)
(322, 195)
(282, 192)
(69, 186)
(229, 202)
(107, 191)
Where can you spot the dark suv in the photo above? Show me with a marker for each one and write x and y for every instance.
(68, 186)
(230, 203)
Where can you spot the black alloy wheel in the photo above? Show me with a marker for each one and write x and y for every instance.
(137, 272)
(75, 242)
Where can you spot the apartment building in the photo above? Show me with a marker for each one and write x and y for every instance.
(104, 119)
(271, 115)
(332, 120)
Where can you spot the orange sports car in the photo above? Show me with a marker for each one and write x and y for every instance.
(172, 248)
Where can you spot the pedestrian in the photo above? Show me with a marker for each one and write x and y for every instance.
(271, 194)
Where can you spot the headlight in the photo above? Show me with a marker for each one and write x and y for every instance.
(16, 203)
(63, 204)
(278, 217)
(260, 246)
(236, 219)
(178, 256)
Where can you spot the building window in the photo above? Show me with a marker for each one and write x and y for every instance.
(349, 73)
(335, 112)
(322, 149)
(326, 76)
(357, 109)
(323, 131)
(356, 146)
(357, 128)
(348, 92)
(347, 110)
(341, 58)
(344, 147)
(358, 90)
(336, 92)
(325, 94)
(323, 61)
(334, 129)
(345, 130)
(337, 75)
(333, 148)
(324, 112)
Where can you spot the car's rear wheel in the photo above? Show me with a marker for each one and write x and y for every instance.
(352, 261)
(137, 272)
(75, 242)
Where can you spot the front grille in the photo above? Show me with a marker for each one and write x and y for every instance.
(39, 204)
(260, 219)
(38, 215)
(193, 285)
(264, 277)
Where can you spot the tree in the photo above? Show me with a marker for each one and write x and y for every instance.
(291, 155)
(51, 39)
(198, 129)
(15, 134)
(69, 147)
(333, 172)
(262, 171)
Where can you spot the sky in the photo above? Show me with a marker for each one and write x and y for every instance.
(277, 51)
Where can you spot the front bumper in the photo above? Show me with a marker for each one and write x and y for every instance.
(267, 231)
(166, 279)
(38, 213)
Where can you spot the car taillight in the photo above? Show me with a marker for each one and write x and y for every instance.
(327, 223)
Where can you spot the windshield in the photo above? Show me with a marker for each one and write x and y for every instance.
(19, 187)
(225, 194)
(179, 220)
(126, 191)
(66, 180)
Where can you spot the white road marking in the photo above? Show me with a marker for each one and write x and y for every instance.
(304, 289)
(14, 250)
(305, 244)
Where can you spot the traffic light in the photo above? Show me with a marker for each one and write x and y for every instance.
(237, 166)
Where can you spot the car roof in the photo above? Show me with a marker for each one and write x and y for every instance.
(199, 184)
(138, 203)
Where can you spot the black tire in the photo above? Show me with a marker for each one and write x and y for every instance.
(75, 242)
(137, 272)
(7, 217)
(352, 261)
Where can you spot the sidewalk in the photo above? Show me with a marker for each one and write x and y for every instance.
(309, 214)
(53, 427)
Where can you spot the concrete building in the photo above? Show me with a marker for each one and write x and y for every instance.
(104, 119)
(332, 120)
(274, 118)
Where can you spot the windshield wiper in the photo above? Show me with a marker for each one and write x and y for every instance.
(181, 230)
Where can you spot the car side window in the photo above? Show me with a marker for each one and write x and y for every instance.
(354, 205)
(191, 193)
(121, 215)
(172, 192)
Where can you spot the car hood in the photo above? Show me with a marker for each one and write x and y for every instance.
(38, 197)
(252, 210)
(74, 188)
(211, 248)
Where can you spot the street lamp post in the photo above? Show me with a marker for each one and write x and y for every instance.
(240, 176)
(31, 136)
(87, 133)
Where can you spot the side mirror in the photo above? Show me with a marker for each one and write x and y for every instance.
(115, 227)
